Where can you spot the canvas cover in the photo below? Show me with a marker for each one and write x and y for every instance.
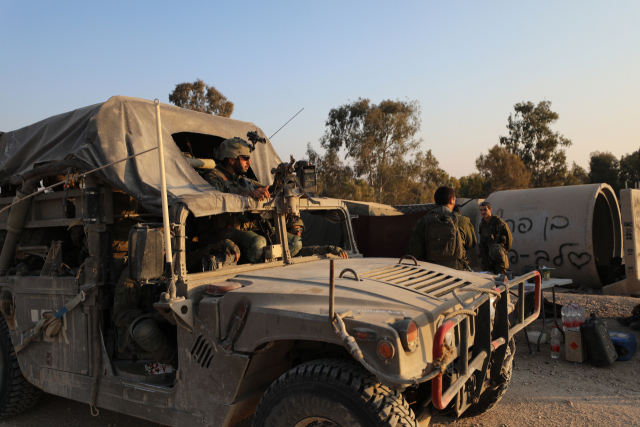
(103, 133)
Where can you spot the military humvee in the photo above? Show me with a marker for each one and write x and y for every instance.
(379, 342)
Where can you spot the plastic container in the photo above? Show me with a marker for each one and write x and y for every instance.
(555, 343)
(600, 348)
(625, 344)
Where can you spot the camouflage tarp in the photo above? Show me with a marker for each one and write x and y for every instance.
(103, 133)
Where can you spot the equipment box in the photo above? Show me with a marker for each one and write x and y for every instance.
(574, 349)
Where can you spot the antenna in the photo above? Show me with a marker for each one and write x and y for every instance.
(287, 123)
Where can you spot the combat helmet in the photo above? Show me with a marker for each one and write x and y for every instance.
(232, 148)
(294, 221)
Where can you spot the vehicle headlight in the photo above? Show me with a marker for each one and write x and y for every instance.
(408, 332)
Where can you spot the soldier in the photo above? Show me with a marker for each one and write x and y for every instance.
(443, 236)
(495, 241)
(295, 227)
(139, 324)
(230, 176)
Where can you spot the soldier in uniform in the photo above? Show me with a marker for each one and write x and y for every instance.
(230, 176)
(495, 241)
(443, 236)
(295, 227)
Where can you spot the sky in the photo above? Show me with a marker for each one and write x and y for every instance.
(466, 63)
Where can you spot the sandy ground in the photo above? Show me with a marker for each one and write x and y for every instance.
(543, 391)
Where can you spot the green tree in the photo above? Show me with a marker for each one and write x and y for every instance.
(473, 186)
(198, 96)
(533, 141)
(604, 167)
(376, 137)
(503, 170)
(577, 176)
(630, 170)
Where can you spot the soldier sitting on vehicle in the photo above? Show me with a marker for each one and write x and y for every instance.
(223, 247)
(495, 241)
(139, 324)
(295, 227)
(443, 236)
(230, 176)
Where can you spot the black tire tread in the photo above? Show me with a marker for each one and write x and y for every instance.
(17, 395)
(489, 399)
(388, 406)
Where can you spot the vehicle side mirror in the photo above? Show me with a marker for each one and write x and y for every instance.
(146, 253)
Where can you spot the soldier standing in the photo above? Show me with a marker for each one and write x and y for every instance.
(495, 241)
(230, 176)
(443, 236)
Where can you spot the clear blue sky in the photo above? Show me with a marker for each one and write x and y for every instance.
(467, 63)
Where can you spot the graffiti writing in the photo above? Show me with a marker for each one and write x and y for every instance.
(559, 260)
(579, 260)
(540, 257)
(559, 224)
(522, 226)
(512, 225)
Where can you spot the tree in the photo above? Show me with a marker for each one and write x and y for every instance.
(503, 170)
(630, 170)
(377, 138)
(531, 139)
(198, 96)
(577, 175)
(604, 167)
(473, 186)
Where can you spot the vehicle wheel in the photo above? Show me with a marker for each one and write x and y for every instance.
(332, 393)
(490, 398)
(16, 393)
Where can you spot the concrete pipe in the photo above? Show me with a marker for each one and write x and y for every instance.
(572, 229)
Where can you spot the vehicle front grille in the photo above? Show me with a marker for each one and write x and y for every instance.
(422, 280)
(202, 351)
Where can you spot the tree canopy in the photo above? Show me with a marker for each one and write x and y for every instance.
(198, 96)
(503, 170)
(630, 170)
(604, 167)
(385, 163)
(531, 139)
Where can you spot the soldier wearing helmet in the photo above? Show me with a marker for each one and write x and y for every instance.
(230, 174)
(295, 227)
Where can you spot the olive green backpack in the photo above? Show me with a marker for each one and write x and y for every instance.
(444, 241)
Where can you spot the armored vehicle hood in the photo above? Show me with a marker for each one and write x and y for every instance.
(104, 133)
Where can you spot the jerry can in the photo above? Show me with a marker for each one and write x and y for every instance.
(625, 344)
(600, 348)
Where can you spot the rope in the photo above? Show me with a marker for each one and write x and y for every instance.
(462, 311)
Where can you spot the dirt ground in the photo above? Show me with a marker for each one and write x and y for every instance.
(543, 391)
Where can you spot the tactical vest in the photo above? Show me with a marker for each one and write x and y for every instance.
(443, 237)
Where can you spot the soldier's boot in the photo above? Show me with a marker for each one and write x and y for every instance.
(149, 337)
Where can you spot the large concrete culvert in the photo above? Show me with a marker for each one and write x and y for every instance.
(572, 229)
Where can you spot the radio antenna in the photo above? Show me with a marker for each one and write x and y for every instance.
(287, 123)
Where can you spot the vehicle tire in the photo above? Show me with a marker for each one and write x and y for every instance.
(16, 393)
(490, 398)
(332, 393)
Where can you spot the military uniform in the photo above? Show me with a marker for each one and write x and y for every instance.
(419, 244)
(296, 248)
(231, 226)
(495, 243)
(139, 324)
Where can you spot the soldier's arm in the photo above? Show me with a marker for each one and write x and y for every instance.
(125, 301)
(322, 250)
(468, 233)
(214, 180)
(417, 245)
(508, 237)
